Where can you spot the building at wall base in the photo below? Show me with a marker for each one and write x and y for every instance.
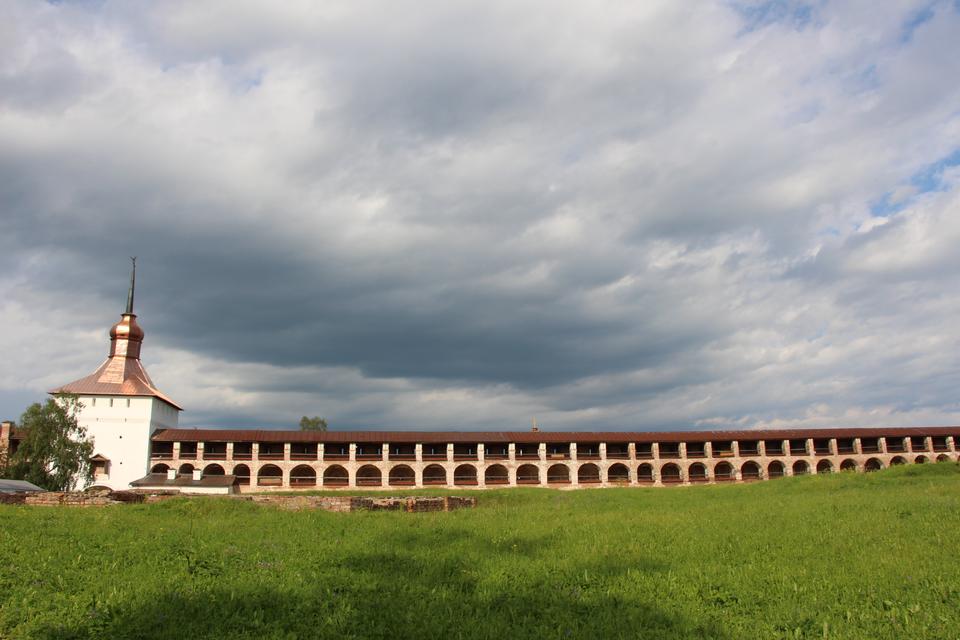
(207, 485)
(18, 486)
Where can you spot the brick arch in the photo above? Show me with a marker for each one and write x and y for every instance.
(496, 474)
(646, 474)
(434, 474)
(242, 472)
(670, 473)
(213, 470)
(724, 472)
(848, 465)
(824, 466)
(588, 473)
(465, 474)
(775, 469)
(873, 464)
(303, 475)
(558, 474)
(401, 475)
(801, 467)
(369, 476)
(751, 471)
(336, 476)
(697, 472)
(159, 468)
(618, 473)
(269, 475)
(528, 474)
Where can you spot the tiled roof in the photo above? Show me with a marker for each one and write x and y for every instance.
(18, 486)
(487, 437)
(161, 480)
(118, 376)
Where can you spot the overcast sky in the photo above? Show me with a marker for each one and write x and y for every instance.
(641, 215)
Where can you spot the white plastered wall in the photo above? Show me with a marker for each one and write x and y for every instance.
(120, 427)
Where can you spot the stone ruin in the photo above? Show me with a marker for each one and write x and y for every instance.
(343, 504)
(411, 504)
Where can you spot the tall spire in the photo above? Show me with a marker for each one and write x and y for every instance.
(133, 284)
(122, 372)
(126, 335)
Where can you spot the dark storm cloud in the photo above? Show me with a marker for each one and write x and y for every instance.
(467, 215)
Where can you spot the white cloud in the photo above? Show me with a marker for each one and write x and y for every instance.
(466, 215)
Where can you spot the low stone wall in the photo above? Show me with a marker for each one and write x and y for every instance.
(81, 499)
(343, 504)
(359, 503)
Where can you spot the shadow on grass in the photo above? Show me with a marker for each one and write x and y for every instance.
(384, 594)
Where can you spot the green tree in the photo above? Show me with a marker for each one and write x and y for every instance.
(54, 452)
(316, 423)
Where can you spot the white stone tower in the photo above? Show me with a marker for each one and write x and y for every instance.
(121, 406)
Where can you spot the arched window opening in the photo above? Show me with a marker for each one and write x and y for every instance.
(303, 476)
(369, 476)
(697, 473)
(618, 474)
(528, 474)
(775, 470)
(558, 474)
(670, 474)
(434, 475)
(750, 471)
(335, 476)
(465, 474)
(242, 472)
(401, 476)
(724, 472)
(496, 474)
(645, 474)
(588, 474)
(270, 475)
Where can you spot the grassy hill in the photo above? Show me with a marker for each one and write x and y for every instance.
(842, 556)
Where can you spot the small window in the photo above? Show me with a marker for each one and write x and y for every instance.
(128, 403)
(111, 402)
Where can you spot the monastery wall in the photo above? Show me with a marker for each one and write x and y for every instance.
(658, 465)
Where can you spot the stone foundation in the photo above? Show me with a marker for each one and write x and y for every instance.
(80, 499)
(343, 504)
(359, 503)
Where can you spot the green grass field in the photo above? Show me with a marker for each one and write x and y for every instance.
(842, 556)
